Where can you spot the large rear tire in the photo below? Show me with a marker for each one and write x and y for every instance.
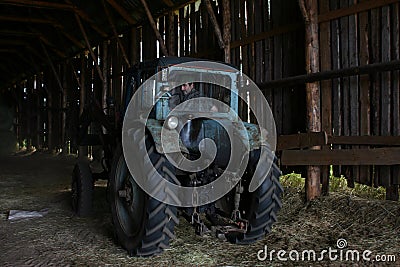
(82, 189)
(261, 206)
(143, 225)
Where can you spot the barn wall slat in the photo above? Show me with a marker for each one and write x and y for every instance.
(365, 171)
(395, 42)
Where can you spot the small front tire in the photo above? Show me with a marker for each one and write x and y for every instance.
(82, 189)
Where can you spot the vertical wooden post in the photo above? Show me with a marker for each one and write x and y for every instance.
(326, 89)
(50, 103)
(105, 75)
(365, 118)
(82, 96)
(226, 18)
(171, 34)
(309, 9)
(64, 100)
(395, 30)
(39, 131)
(134, 47)
(82, 150)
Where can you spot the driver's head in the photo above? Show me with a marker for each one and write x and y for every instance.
(187, 88)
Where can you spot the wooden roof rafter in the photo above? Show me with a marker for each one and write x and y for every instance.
(16, 33)
(60, 27)
(50, 44)
(37, 4)
(121, 11)
(24, 19)
(86, 17)
(169, 3)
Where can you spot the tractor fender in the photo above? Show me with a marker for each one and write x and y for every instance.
(155, 127)
(253, 134)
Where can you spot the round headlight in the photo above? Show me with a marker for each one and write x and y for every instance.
(172, 122)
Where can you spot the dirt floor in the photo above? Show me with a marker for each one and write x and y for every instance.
(42, 181)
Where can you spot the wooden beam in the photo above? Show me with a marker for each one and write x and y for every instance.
(46, 40)
(52, 67)
(60, 27)
(214, 22)
(171, 33)
(12, 42)
(331, 74)
(377, 156)
(16, 33)
(226, 17)
(301, 140)
(24, 19)
(52, 46)
(309, 10)
(37, 4)
(87, 18)
(89, 47)
(124, 14)
(169, 3)
(365, 140)
(8, 50)
(105, 68)
(153, 25)
(354, 9)
(326, 89)
(108, 15)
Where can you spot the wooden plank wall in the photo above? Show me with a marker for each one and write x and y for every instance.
(356, 33)
(268, 44)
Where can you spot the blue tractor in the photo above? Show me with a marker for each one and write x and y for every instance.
(175, 156)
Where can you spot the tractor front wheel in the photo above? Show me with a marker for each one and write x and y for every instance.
(143, 225)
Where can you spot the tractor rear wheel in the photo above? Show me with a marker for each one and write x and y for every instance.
(143, 225)
(82, 189)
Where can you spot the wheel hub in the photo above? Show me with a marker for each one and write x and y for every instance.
(126, 193)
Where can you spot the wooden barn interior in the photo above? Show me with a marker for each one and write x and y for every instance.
(328, 68)
(338, 57)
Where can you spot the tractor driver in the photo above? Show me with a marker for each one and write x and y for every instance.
(187, 92)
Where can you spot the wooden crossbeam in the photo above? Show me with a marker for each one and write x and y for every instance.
(12, 42)
(301, 140)
(37, 4)
(115, 33)
(16, 33)
(365, 140)
(122, 12)
(53, 47)
(377, 156)
(7, 50)
(354, 9)
(89, 47)
(87, 18)
(24, 19)
(331, 74)
(60, 27)
(169, 3)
